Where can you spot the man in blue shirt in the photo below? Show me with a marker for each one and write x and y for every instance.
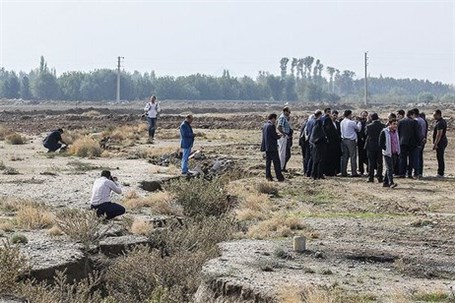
(186, 141)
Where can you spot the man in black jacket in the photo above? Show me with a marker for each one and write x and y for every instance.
(333, 155)
(361, 137)
(318, 141)
(373, 149)
(409, 132)
(269, 145)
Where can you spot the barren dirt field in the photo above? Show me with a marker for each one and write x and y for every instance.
(365, 243)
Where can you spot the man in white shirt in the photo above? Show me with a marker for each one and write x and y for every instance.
(152, 108)
(349, 131)
(101, 196)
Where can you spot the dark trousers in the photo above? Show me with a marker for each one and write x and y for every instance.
(52, 147)
(319, 152)
(408, 159)
(440, 158)
(272, 156)
(420, 166)
(288, 152)
(374, 162)
(362, 156)
(308, 159)
(332, 161)
(109, 209)
(152, 126)
(390, 163)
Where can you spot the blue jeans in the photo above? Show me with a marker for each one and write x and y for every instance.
(109, 209)
(185, 155)
(152, 126)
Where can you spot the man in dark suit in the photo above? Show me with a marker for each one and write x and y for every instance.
(409, 133)
(333, 155)
(374, 152)
(361, 137)
(318, 140)
(270, 147)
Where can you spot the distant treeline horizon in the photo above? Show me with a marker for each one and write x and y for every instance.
(303, 82)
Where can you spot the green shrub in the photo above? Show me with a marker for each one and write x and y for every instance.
(18, 238)
(12, 265)
(8, 170)
(80, 225)
(200, 197)
(172, 270)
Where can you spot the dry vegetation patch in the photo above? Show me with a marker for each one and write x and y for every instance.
(279, 225)
(34, 216)
(141, 226)
(85, 147)
(15, 139)
(161, 202)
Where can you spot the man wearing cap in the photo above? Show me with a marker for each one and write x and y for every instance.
(269, 146)
(54, 141)
(285, 142)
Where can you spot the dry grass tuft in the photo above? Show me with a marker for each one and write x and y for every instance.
(12, 265)
(160, 202)
(267, 188)
(55, 231)
(4, 132)
(254, 207)
(34, 216)
(85, 147)
(289, 294)
(6, 225)
(15, 139)
(280, 225)
(91, 113)
(141, 227)
(80, 225)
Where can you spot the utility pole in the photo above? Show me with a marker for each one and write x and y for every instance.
(366, 80)
(118, 78)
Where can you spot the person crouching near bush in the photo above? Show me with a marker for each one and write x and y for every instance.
(54, 141)
(101, 196)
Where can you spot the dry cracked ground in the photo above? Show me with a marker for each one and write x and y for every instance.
(365, 243)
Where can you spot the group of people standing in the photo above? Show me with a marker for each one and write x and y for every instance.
(328, 144)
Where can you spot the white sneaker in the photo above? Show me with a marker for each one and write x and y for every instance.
(439, 176)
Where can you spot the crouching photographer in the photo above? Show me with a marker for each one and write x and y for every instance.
(101, 196)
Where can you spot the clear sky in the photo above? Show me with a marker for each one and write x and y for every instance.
(414, 39)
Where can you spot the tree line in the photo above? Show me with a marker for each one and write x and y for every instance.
(304, 79)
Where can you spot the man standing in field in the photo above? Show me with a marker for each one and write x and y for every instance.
(373, 130)
(54, 141)
(152, 108)
(349, 131)
(269, 146)
(389, 142)
(440, 141)
(186, 142)
(361, 137)
(285, 142)
(409, 131)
